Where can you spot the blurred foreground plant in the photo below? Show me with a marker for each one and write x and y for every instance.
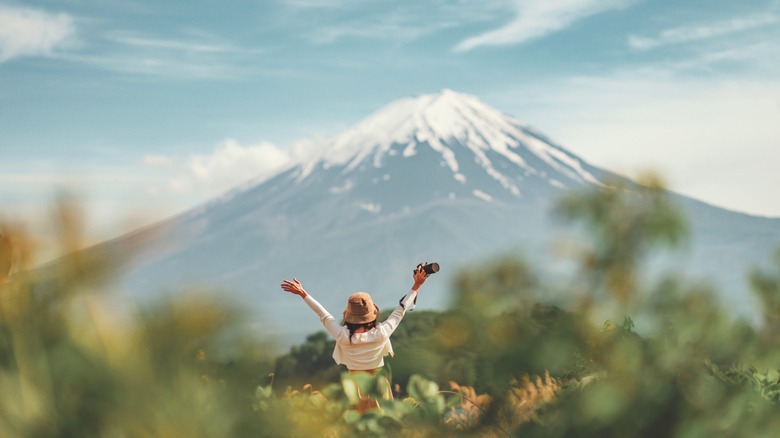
(623, 221)
(78, 360)
(766, 284)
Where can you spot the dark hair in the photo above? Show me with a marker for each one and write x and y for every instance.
(353, 327)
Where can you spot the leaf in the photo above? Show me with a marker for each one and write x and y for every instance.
(263, 392)
(351, 417)
(351, 390)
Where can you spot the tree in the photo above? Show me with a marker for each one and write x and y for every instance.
(622, 221)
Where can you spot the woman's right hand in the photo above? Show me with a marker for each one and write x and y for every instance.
(294, 287)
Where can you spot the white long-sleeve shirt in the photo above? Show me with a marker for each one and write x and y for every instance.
(368, 349)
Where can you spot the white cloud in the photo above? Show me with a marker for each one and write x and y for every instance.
(537, 18)
(191, 55)
(761, 55)
(690, 33)
(398, 26)
(161, 66)
(713, 140)
(229, 165)
(32, 32)
(197, 43)
(378, 30)
(330, 21)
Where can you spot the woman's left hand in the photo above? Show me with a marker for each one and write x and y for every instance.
(419, 277)
(294, 287)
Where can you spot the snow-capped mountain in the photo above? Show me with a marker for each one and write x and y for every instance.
(445, 146)
(452, 124)
(440, 177)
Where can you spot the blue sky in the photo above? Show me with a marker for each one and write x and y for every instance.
(145, 108)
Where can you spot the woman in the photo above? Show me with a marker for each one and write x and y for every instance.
(361, 343)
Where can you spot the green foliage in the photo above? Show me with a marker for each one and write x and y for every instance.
(79, 361)
(624, 221)
(312, 362)
(767, 287)
(75, 361)
(767, 384)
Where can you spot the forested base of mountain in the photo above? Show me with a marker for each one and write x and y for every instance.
(498, 362)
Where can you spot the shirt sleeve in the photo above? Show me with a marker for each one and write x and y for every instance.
(330, 323)
(408, 299)
(391, 323)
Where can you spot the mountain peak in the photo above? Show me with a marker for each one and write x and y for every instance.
(444, 115)
(444, 101)
(435, 118)
(461, 130)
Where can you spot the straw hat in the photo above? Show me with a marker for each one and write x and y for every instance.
(360, 309)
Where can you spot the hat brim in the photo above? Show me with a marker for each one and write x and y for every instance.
(361, 319)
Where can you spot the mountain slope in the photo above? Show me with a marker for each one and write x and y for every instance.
(439, 177)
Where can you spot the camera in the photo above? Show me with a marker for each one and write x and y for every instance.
(429, 268)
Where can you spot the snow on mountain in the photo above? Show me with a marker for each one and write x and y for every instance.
(450, 123)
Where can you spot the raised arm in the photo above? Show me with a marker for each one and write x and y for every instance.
(392, 321)
(330, 323)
